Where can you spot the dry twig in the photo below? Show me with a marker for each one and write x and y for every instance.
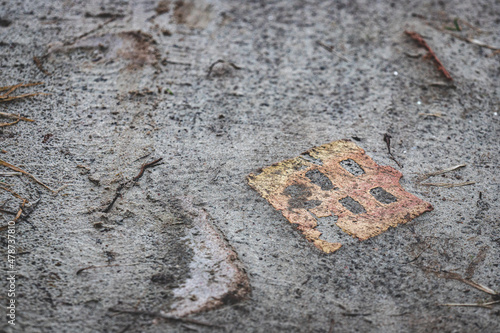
(100, 26)
(13, 167)
(10, 89)
(10, 174)
(13, 116)
(102, 266)
(458, 277)
(438, 114)
(145, 166)
(220, 61)
(9, 124)
(448, 185)
(39, 65)
(331, 50)
(466, 39)
(440, 172)
(469, 273)
(420, 40)
(481, 305)
(473, 41)
(15, 194)
(136, 178)
(387, 140)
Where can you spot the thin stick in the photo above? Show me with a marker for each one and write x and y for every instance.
(395, 160)
(220, 61)
(13, 193)
(482, 305)
(102, 266)
(117, 195)
(438, 115)
(466, 39)
(39, 65)
(471, 26)
(176, 62)
(494, 53)
(441, 84)
(440, 172)
(418, 255)
(481, 255)
(420, 40)
(478, 286)
(145, 166)
(20, 211)
(13, 167)
(387, 140)
(448, 185)
(10, 174)
(31, 84)
(136, 178)
(13, 116)
(164, 316)
(9, 124)
(100, 26)
(8, 99)
(331, 50)
(10, 89)
(332, 323)
(455, 276)
(19, 85)
(27, 212)
(474, 41)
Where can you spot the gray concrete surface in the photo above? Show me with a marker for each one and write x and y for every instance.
(137, 84)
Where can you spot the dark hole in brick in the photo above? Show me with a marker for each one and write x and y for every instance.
(318, 178)
(352, 167)
(382, 195)
(299, 195)
(331, 232)
(301, 202)
(297, 190)
(311, 159)
(351, 204)
(312, 203)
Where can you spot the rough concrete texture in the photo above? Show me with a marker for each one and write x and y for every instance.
(130, 79)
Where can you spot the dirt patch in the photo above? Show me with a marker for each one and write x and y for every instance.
(193, 13)
(137, 48)
(162, 7)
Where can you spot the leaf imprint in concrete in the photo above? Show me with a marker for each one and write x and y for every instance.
(217, 277)
(337, 179)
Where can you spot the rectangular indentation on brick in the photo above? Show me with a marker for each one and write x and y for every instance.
(331, 232)
(320, 179)
(311, 159)
(299, 197)
(352, 205)
(353, 167)
(382, 195)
